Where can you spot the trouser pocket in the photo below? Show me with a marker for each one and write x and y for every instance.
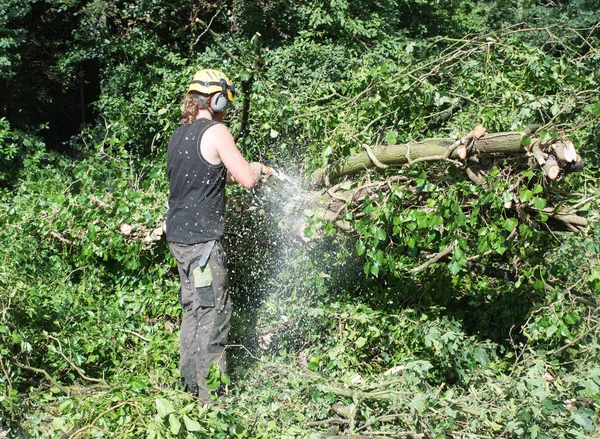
(201, 281)
(206, 297)
(196, 275)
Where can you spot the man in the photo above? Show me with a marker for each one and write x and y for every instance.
(202, 158)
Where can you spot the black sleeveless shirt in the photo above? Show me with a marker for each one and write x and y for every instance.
(196, 188)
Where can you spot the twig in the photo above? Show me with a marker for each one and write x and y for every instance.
(372, 157)
(571, 343)
(335, 196)
(585, 40)
(6, 308)
(377, 119)
(581, 203)
(328, 421)
(384, 418)
(216, 39)
(92, 424)
(60, 237)
(8, 381)
(73, 365)
(433, 260)
(363, 436)
(378, 184)
(326, 172)
(206, 29)
(135, 333)
(359, 394)
(43, 372)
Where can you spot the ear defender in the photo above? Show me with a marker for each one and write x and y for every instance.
(220, 101)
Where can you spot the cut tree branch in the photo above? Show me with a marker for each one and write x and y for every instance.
(560, 153)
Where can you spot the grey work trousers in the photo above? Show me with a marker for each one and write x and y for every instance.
(206, 313)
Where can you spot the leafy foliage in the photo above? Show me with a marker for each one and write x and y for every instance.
(346, 335)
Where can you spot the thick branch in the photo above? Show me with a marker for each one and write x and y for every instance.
(473, 144)
(498, 143)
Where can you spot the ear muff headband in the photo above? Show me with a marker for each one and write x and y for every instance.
(202, 104)
(228, 89)
(219, 100)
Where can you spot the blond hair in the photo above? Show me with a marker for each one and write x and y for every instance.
(191, 106)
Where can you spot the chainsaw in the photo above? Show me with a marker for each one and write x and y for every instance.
(275, 187)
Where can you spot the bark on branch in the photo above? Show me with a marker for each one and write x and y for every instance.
(560, 154)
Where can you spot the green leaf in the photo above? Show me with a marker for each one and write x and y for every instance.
(375, 269)
(360, 248)
(539, 203)
(421, 179)
(360, 342)
(164, 407)
(418, 403)
(422, 220)
(225, 379)
(437, 220)
(545, 136)
(454, 267)
(381, 235)
(570, 318)
(525, 140)
(509, 224)
(239, 430)
(213, 377)
(59, 424)
(585, 418)
(482, 246)
(174, 423)
(534, 431)
(313, 364)
(16, 338)
(190, 424)
(525, 195)
(528, 174)
(391, 137)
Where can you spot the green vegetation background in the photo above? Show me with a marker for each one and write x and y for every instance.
(333, 339)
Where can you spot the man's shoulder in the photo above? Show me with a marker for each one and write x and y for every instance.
(204, 123)
(217, 132)
(181, 130)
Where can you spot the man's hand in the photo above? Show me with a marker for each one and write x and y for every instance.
(260, 170)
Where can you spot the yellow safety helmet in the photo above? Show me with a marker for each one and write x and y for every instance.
(215, 83)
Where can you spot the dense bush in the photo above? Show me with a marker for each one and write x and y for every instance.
(330, 337)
